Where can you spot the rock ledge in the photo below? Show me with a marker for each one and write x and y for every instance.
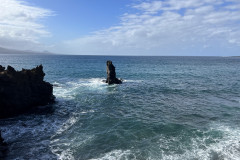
(23, 90)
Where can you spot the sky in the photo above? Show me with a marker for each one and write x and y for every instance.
(122, 27)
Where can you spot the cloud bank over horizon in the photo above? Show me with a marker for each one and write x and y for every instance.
(148, 27)
(173, 27)
(20, 27)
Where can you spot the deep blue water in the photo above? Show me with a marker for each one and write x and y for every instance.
(178, 108)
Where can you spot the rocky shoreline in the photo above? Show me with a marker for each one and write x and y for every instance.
(23, 90)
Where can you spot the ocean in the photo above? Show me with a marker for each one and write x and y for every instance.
(168, 108)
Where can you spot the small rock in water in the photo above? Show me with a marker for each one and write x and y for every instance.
(111, 74)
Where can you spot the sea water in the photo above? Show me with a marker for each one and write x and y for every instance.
(170, 108)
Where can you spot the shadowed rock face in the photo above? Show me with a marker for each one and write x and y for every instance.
(22, 90)
(111, 74)
(3, 147)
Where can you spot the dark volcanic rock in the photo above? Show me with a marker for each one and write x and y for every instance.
(111, 74)
(2, 68)
(23, 90)
(3, 147)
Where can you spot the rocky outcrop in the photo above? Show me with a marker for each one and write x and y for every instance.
(111, 74)
(23, 90)
(3, 147)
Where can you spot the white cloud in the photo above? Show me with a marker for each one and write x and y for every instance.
(149, 7)
(173, 27)
(19, 25)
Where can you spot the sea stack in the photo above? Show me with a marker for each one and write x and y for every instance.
(23, 90)
(111, 74)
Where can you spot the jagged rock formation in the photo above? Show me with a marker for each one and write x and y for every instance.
(111, 74)
(22, 90)
(3, 147)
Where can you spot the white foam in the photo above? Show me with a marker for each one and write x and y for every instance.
(226, 147)
(65, 155)
(65, 126)
(117, 155)
(92, 82)
(64, 148)
(85, 112)
(70, 89)
(132, 81)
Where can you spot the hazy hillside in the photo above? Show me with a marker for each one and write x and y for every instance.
(13, 51)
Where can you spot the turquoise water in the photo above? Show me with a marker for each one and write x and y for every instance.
(171, 108)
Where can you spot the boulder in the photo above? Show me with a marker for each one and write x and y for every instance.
(111, 74)
(22, 90)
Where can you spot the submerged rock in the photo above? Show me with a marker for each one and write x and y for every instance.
(23, 90)
(111, 74)
(3, 147)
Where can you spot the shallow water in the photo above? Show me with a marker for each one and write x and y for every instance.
(167, 108)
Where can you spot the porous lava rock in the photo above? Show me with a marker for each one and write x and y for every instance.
(23, 90)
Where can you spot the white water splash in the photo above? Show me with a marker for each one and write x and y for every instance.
(117, 155)
(70, 89)
(227, 147)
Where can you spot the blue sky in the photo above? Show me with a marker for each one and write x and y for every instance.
(122, 27)
(73, 18)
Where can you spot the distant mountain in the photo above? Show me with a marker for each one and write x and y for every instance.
(14, 51)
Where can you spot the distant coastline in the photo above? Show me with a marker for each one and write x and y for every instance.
(14, 51)
(30, 52)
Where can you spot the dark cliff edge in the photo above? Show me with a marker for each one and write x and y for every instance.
(3, 147)
(23, 90)
(111, 74)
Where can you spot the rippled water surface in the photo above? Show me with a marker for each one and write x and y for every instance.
(167, 108)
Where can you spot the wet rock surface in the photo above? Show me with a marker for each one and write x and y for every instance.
(111, 74)
(23, 90)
